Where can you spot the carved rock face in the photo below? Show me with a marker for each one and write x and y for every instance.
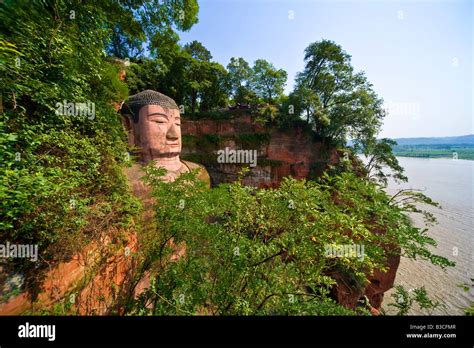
(158, 133)
(154, 125)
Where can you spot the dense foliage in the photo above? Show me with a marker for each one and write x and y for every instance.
(136, 25)
(338, 101)
(198, 84)
(61, 173)
(251, 251)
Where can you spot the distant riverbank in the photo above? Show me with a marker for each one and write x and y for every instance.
(435, 151)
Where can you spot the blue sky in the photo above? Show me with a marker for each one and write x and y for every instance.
(417, 54)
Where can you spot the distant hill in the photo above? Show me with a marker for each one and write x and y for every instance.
(463, 139)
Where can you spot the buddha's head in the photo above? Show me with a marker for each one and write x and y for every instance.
(154, 123)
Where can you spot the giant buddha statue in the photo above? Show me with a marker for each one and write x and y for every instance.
(154, 124)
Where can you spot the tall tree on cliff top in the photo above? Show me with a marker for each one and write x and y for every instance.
(205, 80)
(343, 103)
(134, 23)
(215, 94)
(237, 79)
(197, 74)
(198, 51)
(267, 81)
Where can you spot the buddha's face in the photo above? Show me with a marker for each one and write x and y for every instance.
(158, 132)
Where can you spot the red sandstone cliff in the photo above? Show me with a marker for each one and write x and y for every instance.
(292, 152)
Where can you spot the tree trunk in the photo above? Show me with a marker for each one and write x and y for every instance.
(193, 102)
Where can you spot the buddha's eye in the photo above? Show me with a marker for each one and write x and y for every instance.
(160, 120)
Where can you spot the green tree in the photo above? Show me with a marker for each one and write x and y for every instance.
(344, 103)
(135, 23)
(215, 93)
(379, 157)
(197, 71)
(175, 82)
(198, 51)
(147, 74)
(307, 102)
(197, 81)
(238, 77)
(266, 81)
(245, 95)
(205, 80)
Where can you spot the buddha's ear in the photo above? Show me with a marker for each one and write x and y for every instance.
(128, 125)
(127, 116)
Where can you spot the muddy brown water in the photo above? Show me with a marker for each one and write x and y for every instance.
(450, 183)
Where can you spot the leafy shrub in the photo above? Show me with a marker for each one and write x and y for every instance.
(61, 178)
(250, 251)
(404, 300)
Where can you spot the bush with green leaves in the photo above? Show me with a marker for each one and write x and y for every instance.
(404, 300)
(468, 287)
(260, 252)
(61, 175)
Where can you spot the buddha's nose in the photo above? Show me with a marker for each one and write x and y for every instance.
(172, 133)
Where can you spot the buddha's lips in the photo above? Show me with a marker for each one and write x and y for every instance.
(166, 154)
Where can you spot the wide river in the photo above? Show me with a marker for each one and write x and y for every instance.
(450, 183)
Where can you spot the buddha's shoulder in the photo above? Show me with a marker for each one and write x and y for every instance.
(192, 165)
(202, 173)
(135, 174)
